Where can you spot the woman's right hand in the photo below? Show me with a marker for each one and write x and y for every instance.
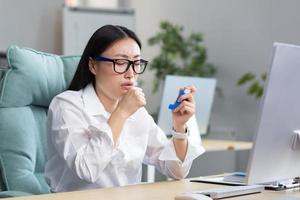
(131, 102)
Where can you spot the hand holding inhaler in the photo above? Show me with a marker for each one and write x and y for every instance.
(177, 103)
(183, 108)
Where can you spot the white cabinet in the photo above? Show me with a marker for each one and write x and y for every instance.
(80, 23)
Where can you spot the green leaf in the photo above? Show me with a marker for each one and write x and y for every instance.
(246, 78)
(259, 92)
(254, 88)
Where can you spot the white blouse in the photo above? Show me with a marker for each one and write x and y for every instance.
(81, 153)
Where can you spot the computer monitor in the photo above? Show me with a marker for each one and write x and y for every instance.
(273, 157)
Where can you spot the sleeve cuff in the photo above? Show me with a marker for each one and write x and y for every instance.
(193, 151)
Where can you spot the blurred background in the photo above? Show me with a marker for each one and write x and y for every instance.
(237, 34)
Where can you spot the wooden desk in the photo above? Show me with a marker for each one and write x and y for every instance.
(152, 191)
(224, 145)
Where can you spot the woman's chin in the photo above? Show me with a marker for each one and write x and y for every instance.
(124, 91)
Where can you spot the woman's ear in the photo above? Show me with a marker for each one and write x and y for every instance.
(92, 66)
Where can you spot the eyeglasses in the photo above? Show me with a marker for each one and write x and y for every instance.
(121, 66)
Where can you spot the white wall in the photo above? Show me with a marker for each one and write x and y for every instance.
(239, 36)
(31, 23)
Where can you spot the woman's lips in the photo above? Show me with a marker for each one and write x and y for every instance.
(127, 86)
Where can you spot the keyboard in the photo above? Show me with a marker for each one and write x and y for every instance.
(230, 191)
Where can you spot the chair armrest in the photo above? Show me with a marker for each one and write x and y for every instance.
(12, 193)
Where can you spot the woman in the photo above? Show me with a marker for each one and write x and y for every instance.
(99, 132)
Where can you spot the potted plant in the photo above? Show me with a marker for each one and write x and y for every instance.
(179, 55)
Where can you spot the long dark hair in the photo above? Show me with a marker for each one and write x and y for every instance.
(103, 38)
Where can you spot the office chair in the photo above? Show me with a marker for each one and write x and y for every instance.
(27, 87)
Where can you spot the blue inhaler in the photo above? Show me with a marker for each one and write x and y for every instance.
(177, 103)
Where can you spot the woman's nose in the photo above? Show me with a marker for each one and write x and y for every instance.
(129, 73)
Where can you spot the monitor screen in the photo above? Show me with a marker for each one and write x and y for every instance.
(204, 99)
(273, 157)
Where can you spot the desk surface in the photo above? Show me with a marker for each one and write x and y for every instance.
(223, 145)
(161, 190)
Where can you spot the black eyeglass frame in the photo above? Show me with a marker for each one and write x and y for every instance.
(130, 62)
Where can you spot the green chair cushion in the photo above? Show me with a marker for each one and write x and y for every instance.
(34, 78)
(26, 89)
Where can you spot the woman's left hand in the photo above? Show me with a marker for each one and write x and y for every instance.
(185, 110)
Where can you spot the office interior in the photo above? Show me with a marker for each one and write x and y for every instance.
(238, 35)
